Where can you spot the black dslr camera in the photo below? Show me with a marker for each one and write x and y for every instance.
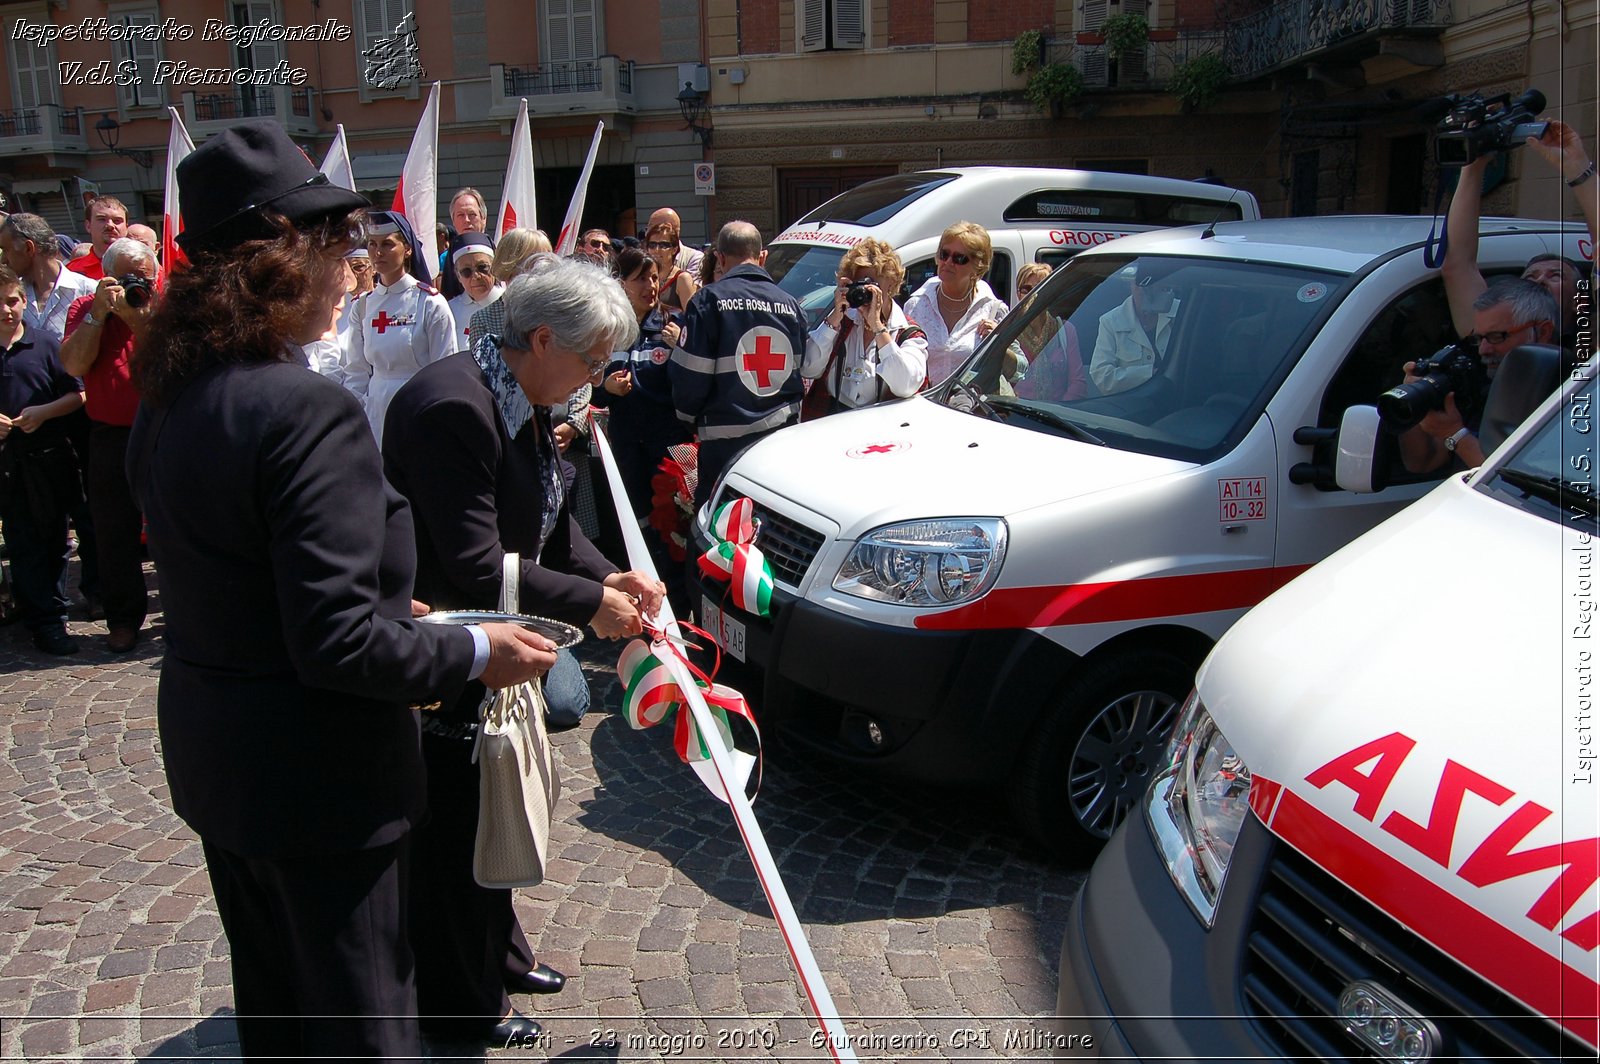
(858, 294)
(136, 291)
(1478, 125)
(1456, 368)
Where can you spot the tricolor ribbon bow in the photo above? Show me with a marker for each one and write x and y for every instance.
(734, 557)
(651, 695)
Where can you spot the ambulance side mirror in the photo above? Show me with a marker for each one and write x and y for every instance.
(1361, 462)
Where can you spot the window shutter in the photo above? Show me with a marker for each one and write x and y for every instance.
(584, 23)
(1094, 14)
(35, 75)
(143, 54)
(812, 16)
(558, 31)
(849, 24)
(262, 55)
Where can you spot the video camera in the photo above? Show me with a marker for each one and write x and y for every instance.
(1478, 125)
(1456, 368)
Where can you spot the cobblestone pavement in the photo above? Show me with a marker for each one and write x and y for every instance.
(937, 935)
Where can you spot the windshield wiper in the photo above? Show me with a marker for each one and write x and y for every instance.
(979, 403)
(1562, 492)
(1054, 420)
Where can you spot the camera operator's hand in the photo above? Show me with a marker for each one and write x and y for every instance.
(1562, 148)
(1441, 424)
(872, 315)
(836, 318)
(107, 298)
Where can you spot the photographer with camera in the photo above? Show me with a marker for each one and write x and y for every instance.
(866, 350)
(1472, 147)
(102, 332)
(1445, 395)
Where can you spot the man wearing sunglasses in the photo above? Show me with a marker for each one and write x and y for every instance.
(1511, 312)
(595, 245)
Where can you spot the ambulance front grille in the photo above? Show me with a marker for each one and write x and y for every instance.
(789, 546)
(1311, 936)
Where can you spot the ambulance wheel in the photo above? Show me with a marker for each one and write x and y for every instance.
(1088, 762)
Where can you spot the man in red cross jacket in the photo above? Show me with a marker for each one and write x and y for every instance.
(736, 374)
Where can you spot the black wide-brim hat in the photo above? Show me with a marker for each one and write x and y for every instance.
(227, 186)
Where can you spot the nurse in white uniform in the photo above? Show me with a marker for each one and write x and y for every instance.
(401, 325)
(473, 256)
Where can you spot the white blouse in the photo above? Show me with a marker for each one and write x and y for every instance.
(949, 347)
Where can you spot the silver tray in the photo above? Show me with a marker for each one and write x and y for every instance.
(560, 633)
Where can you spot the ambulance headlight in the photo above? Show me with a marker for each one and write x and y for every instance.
(925, 563)
(1196, 807)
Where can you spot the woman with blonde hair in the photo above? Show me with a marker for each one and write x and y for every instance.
(866, 350)
(956, 307)
(515, 247)
(1051, 361)
(677, 286)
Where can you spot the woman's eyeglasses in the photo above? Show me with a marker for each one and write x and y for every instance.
(954, 256)
(475, 271)
(660, 245)
(1024, 289)
(597, 366)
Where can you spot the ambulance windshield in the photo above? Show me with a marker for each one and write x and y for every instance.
(1174, 357)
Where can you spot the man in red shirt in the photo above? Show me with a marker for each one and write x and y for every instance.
(108, 222)
(101, 334)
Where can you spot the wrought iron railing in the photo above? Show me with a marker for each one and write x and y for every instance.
(247, 103)
(580, 75)
(1290, 30)
(70, 120)
(300, 102)
(1151, 67)
(19, 123)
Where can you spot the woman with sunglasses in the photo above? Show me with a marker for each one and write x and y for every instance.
(956, 307)
(401, 325)
(678, 286)
(473, 257)
(472, 447)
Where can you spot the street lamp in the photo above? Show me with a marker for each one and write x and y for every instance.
(692, 104)
(109, 130)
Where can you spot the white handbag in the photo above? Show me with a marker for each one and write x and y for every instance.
(517, 781)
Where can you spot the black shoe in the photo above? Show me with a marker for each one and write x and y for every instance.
(542, 980)
(515, 1031)
(55, 641)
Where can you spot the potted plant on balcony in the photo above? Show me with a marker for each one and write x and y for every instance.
(1052, 87)
(1027, 52)
(1197, 82)
(1125, 34)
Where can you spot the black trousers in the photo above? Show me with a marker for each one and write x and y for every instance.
(38, 545)
(117, 527)
(466, 937)
(322, 965)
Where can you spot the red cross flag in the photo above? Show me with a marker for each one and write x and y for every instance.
(418, 195)
(516, 202)
(337, 162)
(567, 242)
(178, 146)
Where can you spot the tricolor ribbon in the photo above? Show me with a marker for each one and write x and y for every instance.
(719, 773)
(735, 559)
(651, 695)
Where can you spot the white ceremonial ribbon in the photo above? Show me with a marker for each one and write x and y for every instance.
(728, 788)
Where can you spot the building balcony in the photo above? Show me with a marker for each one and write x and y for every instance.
(205, 113)
(1150, 67)
(1287, 33)
(601, 87)
(41, 130)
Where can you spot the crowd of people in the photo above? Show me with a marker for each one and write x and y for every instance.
(442, 429)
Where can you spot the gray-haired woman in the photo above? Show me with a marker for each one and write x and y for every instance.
(473, 450)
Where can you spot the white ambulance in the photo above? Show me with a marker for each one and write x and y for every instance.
(1376, 832)
(1004, 591)
(1032, 214)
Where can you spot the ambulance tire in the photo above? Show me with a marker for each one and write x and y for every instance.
(1088, 763)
